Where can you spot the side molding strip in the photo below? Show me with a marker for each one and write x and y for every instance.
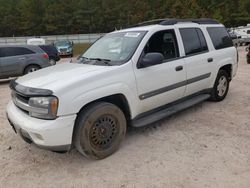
(174, 86)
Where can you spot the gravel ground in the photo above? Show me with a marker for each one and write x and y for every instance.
(205, 146)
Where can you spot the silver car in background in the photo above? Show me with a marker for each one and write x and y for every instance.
(18, 60)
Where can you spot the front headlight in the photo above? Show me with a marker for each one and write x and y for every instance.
(43, 107)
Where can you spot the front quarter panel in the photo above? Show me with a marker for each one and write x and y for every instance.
(116, 80)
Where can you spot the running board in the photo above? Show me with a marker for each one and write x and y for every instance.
(163, 113)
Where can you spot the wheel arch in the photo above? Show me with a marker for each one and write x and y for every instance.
(117, 99)
(28, 65)
(229, 69)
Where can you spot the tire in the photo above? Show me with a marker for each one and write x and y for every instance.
(31, 68)
(99, 130)
(221, 86)
(52, 61)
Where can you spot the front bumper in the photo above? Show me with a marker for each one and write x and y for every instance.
(55, 135)
(65, 53)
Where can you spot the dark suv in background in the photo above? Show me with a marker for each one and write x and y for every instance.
(52, 53)
(22, 59)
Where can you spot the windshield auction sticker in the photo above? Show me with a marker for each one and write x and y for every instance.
(132, 34)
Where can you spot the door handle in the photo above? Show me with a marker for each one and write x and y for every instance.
(209, 60)
(179, 68)
(22, 58)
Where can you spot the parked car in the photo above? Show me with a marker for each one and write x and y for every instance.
(131, 77)
(21, 59)
(52, 53)
(36, 41)
(64, 47)
(248, 54)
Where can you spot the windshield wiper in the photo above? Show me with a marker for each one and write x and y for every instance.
(106, 61)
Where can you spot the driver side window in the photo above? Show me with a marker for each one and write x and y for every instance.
(163, 42)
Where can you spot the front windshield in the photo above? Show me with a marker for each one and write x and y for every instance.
(115, 47)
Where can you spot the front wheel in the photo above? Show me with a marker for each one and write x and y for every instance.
(99, 131)
(221, 86)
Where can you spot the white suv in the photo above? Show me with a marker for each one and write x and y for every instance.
(131, 77)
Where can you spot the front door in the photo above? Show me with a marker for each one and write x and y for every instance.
(163, 83)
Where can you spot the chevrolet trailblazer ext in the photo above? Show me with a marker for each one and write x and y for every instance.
(134, 76)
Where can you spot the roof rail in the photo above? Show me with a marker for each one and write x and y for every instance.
(150, 22)
(173, 21)
(198, 21)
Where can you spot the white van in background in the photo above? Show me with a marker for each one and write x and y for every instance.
(244, 33)
(36, 41)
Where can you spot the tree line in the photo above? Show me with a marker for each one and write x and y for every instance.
(49, 17)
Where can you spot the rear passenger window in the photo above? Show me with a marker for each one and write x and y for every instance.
(193, 40)
(14, 51)
(220, 37)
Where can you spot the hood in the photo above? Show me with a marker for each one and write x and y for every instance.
(58, 76)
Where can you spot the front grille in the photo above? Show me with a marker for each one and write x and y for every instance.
(63, 50)
(22, 98)
(21, 101)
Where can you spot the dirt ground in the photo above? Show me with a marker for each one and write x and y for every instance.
(205, 146)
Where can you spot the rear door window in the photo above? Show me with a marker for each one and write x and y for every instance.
(193, 40)
(220, 37)
(14, 51)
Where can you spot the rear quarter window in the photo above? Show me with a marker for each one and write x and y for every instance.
(220, 37)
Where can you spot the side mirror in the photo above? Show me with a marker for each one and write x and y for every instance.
(151, 59)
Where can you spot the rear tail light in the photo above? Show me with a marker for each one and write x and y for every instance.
(45, 56)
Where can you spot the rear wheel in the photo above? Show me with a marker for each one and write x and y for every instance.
(31, 68)
(99, 131)
(52, 61)
(221, 86)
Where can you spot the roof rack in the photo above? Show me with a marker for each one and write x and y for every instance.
(173, 21)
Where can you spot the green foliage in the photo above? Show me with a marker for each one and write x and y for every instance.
(43, 17)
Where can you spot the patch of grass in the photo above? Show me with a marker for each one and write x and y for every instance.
(80, 48)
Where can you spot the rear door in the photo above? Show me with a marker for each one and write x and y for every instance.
(198, 60)
(13, 60)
